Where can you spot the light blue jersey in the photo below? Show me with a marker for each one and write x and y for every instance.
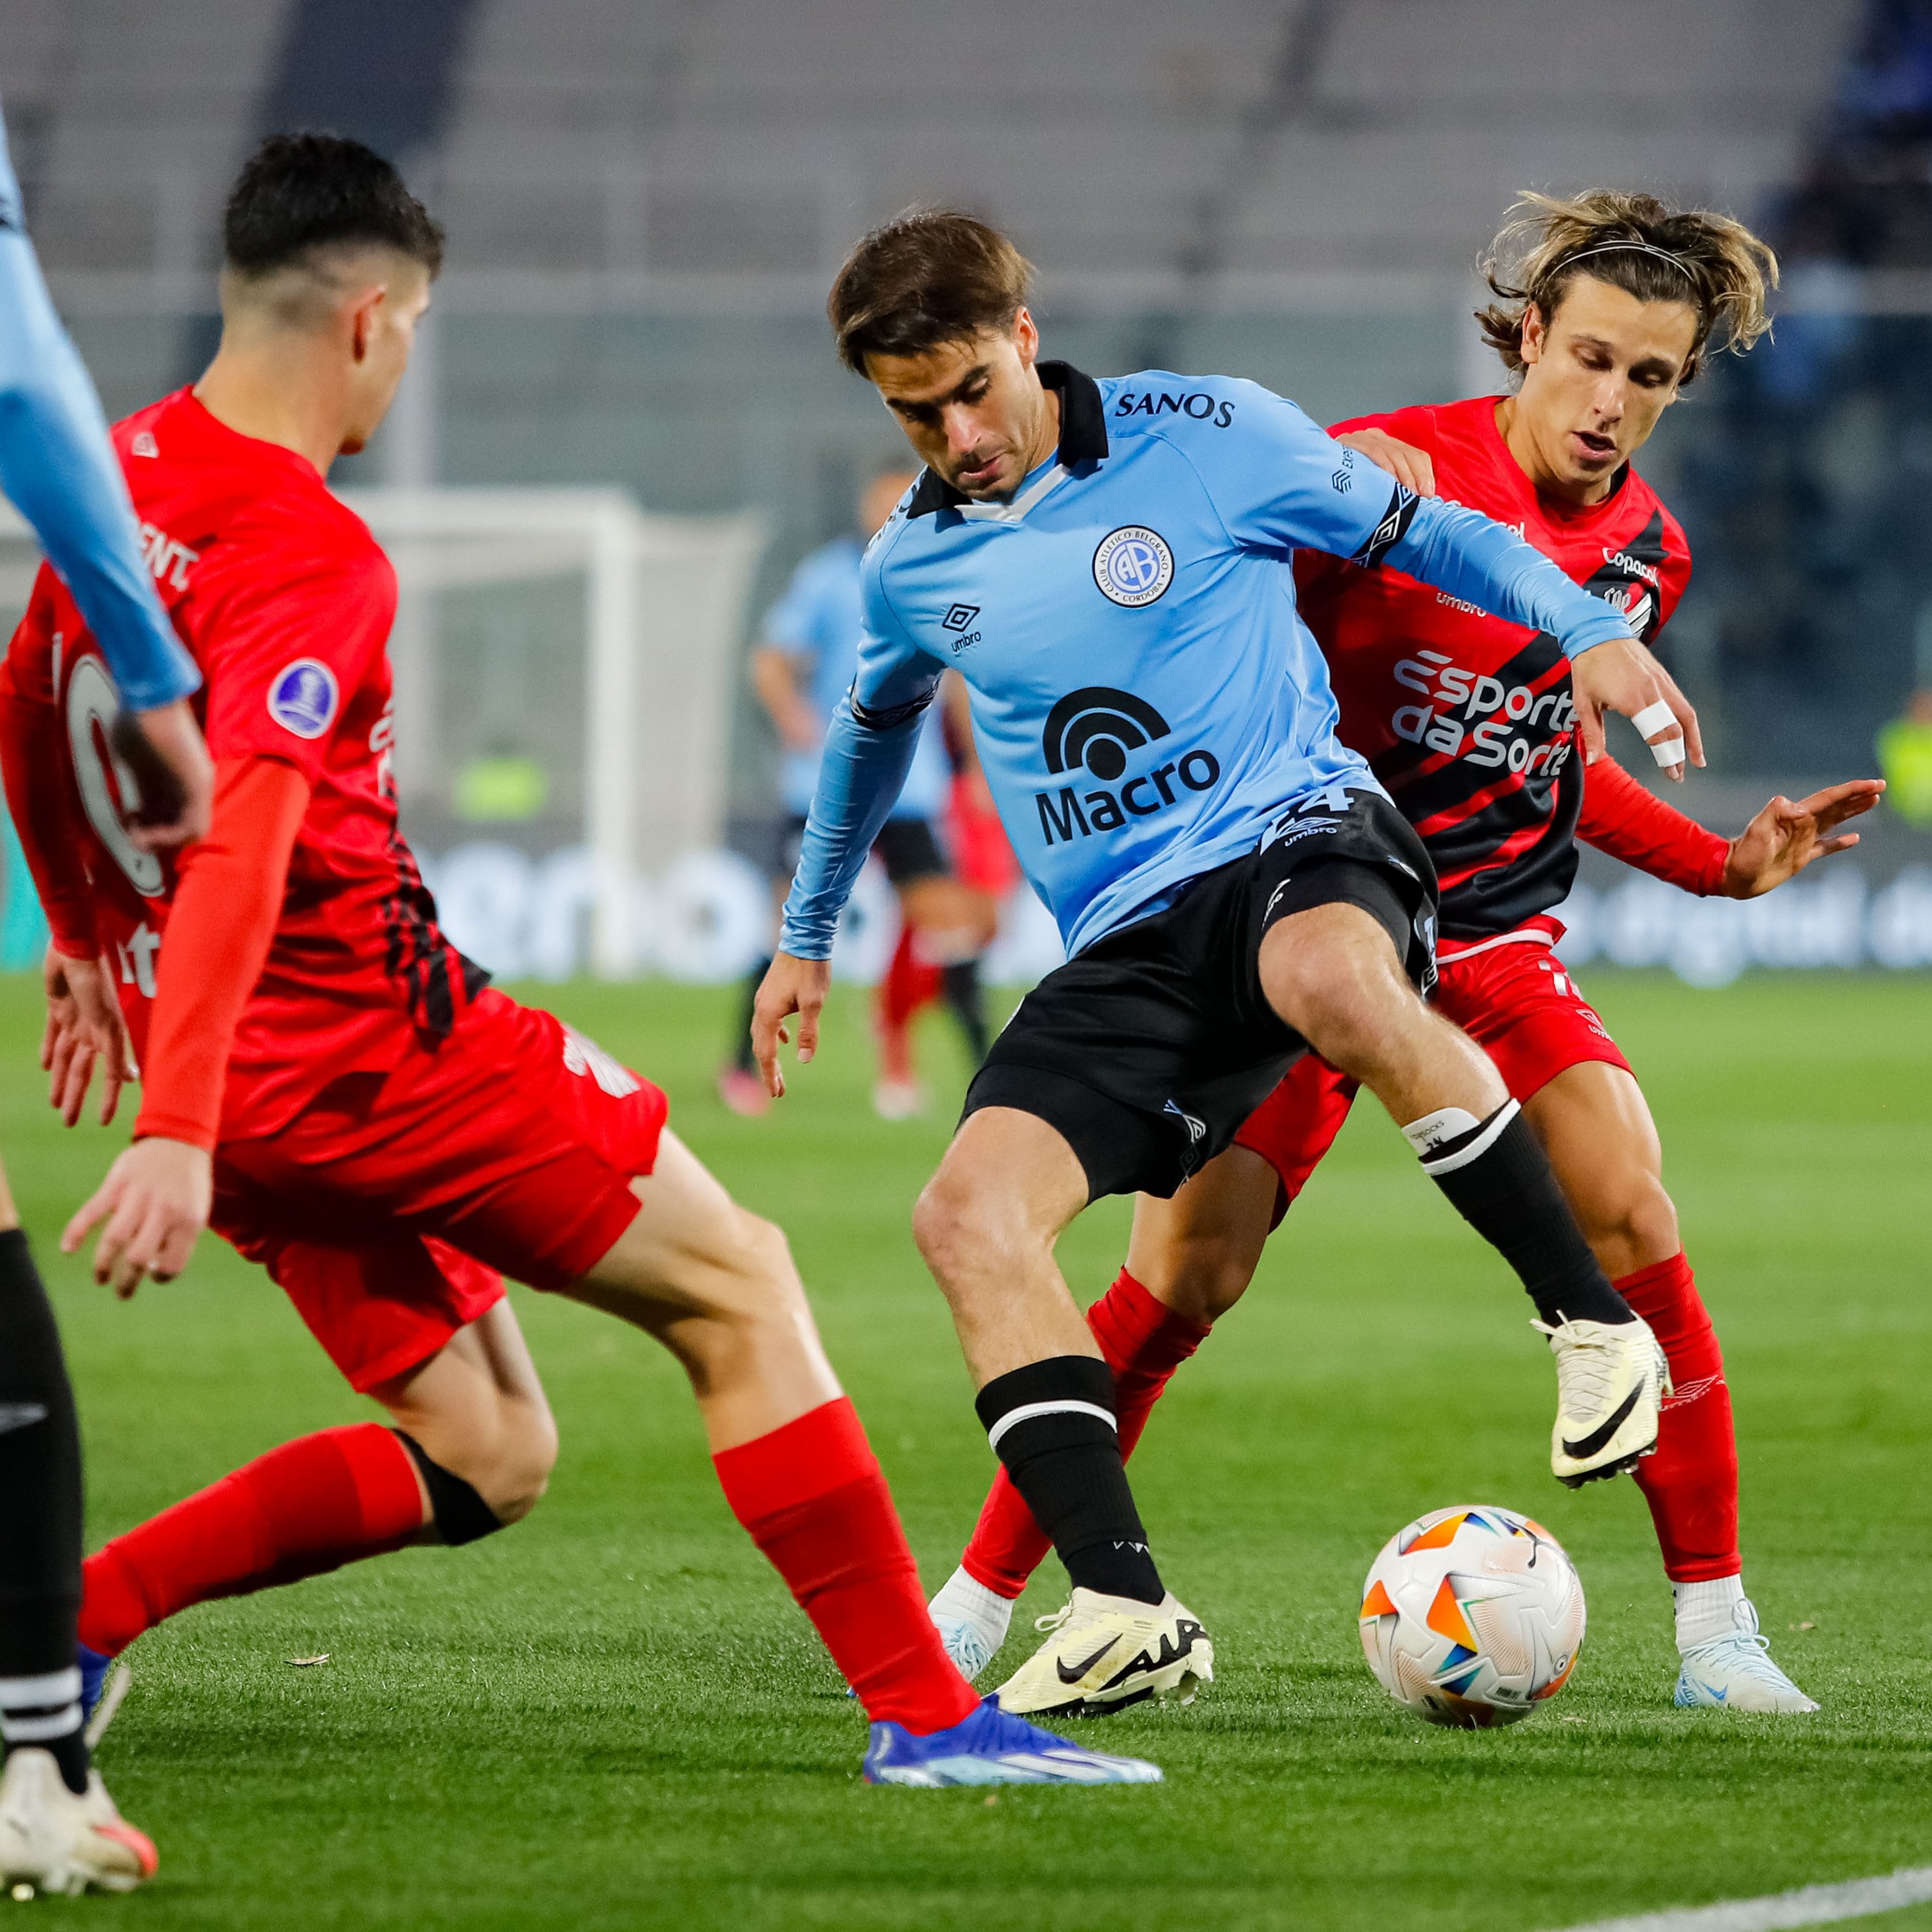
(817, 622)
(1145, 696)
(58, 467)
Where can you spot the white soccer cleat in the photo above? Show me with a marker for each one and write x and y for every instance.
(972, 1621)
(1611, 1378)
(1734, 1672)
(898, 1099)
(56, 1842)
(1104, 1653)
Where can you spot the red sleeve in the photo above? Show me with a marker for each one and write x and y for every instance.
(1631, 823)
(285, 634)
(39, 794)
(226, 905)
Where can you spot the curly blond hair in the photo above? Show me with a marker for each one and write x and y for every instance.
(1635, 243)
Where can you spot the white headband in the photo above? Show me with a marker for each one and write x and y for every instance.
(1630, 247)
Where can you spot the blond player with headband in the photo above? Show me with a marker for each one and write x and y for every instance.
(1605, 307)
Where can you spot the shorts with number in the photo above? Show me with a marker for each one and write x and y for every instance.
(1512, 996)
(391, 1208)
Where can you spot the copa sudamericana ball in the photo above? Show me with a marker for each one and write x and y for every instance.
(1473, 1616)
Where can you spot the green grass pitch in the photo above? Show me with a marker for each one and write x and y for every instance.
(612, 1716)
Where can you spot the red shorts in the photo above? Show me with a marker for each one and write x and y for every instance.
(1511, 996)
(391, 1206)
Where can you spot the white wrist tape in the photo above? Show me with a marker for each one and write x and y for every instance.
(1653, 717)
(1668, 751)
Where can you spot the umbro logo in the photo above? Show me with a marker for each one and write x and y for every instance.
(960, 617)
(145, 444)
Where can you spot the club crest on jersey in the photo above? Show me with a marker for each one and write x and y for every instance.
(1133, 565)
(303, 698)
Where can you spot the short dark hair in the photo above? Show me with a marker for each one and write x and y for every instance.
(299, 193)
(929, 276)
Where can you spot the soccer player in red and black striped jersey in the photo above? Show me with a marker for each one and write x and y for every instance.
(334, 1088)
(1605, 306)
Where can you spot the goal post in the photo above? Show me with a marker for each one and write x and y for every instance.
(657, 611)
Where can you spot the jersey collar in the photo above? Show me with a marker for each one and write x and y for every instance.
(1083, 440)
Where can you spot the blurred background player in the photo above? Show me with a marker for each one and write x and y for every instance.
(59, 1831)
(801, 667)
(1605, 306)
(340, 1092)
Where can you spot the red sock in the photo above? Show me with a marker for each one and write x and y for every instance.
(1691, 1483)
(312, 1504)
(1145, 1341)
(813, 1498)
(910, 982)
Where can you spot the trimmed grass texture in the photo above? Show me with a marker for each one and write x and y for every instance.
(612, 1716)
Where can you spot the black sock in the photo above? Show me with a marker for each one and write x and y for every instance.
(1498, 1178)
(1052, 1423)
(741, 1053)
(961, 983)
(39, 1523)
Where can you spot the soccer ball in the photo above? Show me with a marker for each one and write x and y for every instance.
(1472, 1617)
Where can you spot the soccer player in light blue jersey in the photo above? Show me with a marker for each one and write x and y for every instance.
(58, 1828)
(1107, 564)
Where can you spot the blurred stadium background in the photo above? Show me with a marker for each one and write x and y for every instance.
(627, 425)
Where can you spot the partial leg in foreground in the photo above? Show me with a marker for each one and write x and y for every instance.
(1332, 974)
(1188, 1260)
(717, 1286)
(986, 1225)
(59, 1831)
(1593, 1120)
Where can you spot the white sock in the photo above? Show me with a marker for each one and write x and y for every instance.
(1707, 1611)
(963, 1600)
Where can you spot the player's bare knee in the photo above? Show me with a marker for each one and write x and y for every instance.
(1648, 1220)
(960, 1224)
(527, 1453)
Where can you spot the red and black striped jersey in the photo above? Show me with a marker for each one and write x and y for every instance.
(1467, 720)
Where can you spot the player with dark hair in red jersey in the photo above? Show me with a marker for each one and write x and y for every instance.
(1605, 305)
(339, 1093)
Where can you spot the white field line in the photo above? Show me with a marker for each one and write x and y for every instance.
(1809, 1905)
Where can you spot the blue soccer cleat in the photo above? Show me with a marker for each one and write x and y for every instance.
(93, 1668)
(104, 1683)
(990, 1748)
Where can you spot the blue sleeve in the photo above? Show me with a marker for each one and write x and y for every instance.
(1278, 482)
(58, 466)
(868, 750)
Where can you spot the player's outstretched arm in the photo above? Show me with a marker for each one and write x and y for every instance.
(1785, 838)
(868, 753)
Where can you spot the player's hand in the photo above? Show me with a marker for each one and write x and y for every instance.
(164, 749)
(84, 1027)
(1783, 839)
(791, 986)
(1623, 675)
(155, 1200)
(1414, 468)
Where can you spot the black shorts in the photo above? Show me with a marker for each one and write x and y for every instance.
(908, 848)
(1149, 1050)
